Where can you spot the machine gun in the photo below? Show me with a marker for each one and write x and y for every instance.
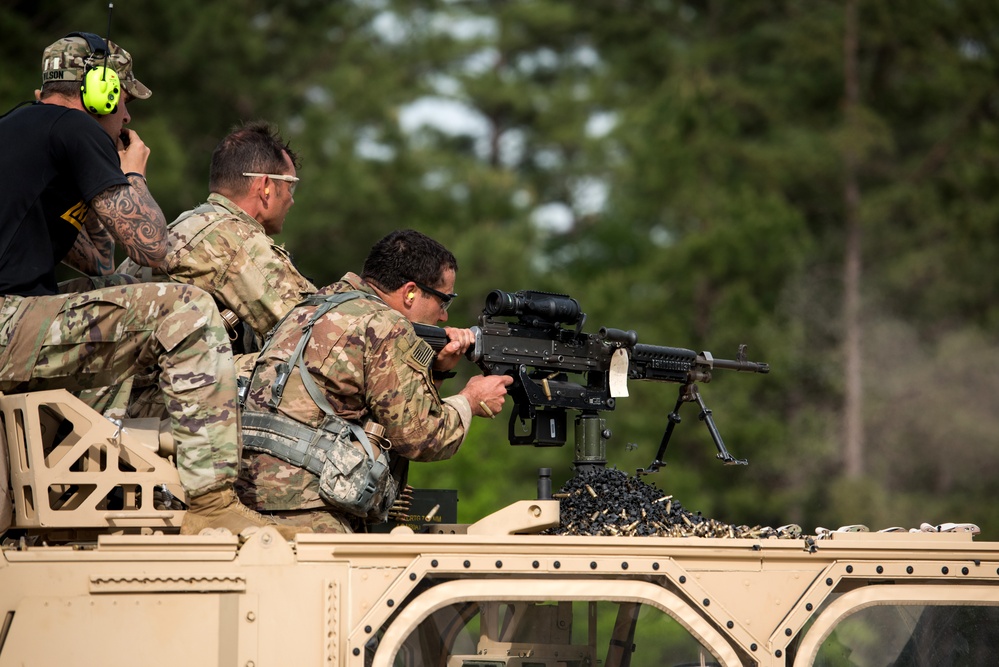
(521, 334)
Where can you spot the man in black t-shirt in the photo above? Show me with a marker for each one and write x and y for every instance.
(75, 185)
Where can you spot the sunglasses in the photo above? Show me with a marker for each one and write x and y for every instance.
(292, 181)
(445, 298)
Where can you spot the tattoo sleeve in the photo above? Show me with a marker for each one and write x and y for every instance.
(135, 220)
(93, 252)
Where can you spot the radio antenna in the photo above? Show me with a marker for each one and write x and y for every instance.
(107, 42)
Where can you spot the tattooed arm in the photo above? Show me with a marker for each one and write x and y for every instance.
(93, 252)
(134, 219)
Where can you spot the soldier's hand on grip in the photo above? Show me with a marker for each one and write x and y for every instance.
(459, 340)
(486, 394)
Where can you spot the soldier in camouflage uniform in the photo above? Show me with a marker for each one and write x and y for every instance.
(369, 364)
(224, 246)
(71, 193)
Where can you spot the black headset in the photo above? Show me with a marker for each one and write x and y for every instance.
(101, 88)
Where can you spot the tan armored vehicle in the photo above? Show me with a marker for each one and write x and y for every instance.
(94, 572)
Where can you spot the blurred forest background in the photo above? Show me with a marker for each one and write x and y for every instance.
(819, 180)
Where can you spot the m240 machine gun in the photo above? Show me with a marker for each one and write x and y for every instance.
(537, 338)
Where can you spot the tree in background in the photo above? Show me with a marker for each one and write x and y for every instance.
(678, 168)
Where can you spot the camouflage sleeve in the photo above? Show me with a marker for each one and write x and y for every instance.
(247, 273)
(402, 397)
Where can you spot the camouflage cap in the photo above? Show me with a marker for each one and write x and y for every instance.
(68, 59)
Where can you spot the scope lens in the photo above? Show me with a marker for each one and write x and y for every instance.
(551, 308)
(499, 302)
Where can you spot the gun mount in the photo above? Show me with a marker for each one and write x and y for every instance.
(557, 369)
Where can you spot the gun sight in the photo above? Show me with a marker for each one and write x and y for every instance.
(537, 307)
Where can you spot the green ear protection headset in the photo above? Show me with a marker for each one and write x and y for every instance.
(101, 88)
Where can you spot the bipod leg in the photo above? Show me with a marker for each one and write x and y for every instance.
(705, 417)
(673, 418)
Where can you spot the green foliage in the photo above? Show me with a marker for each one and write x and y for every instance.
(695, 152)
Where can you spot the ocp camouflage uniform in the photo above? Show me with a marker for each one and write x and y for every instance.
(370, 364)
(101, 337)
(112, 401)
(221, 249)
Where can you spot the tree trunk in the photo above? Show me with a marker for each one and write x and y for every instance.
(853, 425)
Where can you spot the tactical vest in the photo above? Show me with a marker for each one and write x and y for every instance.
(354, 475)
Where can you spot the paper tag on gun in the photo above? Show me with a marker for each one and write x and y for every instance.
(619, 373)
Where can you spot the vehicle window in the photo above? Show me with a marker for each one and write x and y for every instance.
(913, 635)
(552, 634)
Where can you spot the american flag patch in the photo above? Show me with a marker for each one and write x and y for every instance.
(422, 354)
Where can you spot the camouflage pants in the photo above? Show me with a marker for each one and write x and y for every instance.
(88, 283)
(103, 337)
(112, 401)
(320, 521)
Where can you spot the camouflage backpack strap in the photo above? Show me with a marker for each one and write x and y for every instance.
(333, 422)
(298, 358)
(358, 484)
(326, 304)
(244, 382)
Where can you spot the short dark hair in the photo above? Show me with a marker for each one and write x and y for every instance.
(255, 147)
(406, 255)
(64, 88)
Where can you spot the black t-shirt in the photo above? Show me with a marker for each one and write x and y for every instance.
(54, 161)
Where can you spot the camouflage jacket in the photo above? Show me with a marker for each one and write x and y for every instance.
(229, 255)
(370, 364)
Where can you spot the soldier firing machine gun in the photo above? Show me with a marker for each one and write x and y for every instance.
(541, 355)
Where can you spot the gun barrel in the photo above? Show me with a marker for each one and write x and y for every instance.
(743, 366)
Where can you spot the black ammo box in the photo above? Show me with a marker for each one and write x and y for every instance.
(429, 508)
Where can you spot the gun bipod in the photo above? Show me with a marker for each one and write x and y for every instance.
(689, 393)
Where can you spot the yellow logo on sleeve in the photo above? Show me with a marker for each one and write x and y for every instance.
(76, 215)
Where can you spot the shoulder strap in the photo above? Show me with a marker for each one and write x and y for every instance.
(326, 304)
(297, 357)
